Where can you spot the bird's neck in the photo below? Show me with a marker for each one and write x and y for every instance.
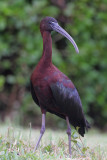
(47, 48)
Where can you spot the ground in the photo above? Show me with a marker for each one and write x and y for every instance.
(17, 143)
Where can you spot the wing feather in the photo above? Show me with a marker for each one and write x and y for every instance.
(68, 100)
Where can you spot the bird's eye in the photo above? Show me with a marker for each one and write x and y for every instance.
(50, 22)
(53, 23)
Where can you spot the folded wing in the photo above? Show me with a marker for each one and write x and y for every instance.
(68, 101)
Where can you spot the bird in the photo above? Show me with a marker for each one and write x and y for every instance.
(52, 90)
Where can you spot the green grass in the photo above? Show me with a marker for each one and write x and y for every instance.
(17, 144)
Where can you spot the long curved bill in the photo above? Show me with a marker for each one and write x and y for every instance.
(57, 28)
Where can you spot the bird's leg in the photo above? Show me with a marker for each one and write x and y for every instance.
(69, 135)
(41, 131)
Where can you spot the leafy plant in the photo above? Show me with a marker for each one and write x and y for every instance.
(21, 49)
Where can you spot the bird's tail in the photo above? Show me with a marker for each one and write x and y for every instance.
(84, 127)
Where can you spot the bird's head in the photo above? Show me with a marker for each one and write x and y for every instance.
(51, 24)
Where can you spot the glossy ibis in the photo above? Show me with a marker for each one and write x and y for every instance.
(53, 91)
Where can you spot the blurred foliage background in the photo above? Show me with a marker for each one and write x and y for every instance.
(21, 49)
